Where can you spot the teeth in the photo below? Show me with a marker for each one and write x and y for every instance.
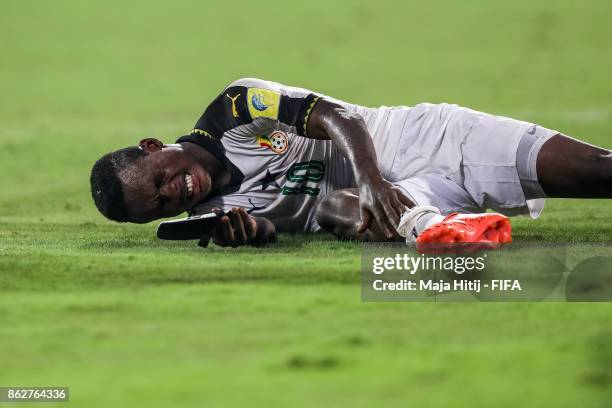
(189, 183)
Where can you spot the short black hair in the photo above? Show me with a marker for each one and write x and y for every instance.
(106, 187)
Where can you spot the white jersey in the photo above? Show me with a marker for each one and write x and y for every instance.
(443, 155)
(259, 130)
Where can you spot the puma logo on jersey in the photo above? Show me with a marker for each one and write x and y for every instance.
(254, 207)
(234, 111)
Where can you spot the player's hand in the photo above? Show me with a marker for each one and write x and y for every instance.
(384, 202)
(235, 228)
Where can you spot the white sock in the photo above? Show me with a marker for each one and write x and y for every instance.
(426, 220)
(416, 220)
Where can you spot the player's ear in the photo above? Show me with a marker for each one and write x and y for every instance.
(150, 145)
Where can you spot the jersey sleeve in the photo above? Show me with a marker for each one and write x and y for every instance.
(289, 106)
(249, 100)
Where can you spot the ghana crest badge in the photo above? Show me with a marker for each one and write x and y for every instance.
(277, 142)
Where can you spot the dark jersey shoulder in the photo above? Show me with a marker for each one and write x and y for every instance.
(246, 100)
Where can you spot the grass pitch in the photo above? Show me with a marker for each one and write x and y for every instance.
(126, 320)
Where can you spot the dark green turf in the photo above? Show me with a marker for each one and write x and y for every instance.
(126, 320)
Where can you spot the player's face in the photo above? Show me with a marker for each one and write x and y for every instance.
(165, 183)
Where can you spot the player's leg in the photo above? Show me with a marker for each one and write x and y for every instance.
(338, 212)
(569, 168)
(515, 178)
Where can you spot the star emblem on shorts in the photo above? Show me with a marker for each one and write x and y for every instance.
(269, 180)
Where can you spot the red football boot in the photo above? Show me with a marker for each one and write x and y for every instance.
(460, 233)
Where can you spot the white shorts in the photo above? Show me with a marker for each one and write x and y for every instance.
(458, 159)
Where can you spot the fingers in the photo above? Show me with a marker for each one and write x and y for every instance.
(399, 208)
(392, 213)
(398, 203)
(240, 237)
(250, 226)
(236, 228)
(404, 200)
(367, 216)
(394, 208)
(224, 236)
(366, 220)
(386, 208)
(385, 224)
(388, 215)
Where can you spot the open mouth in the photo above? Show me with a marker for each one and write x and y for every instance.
(189, 184)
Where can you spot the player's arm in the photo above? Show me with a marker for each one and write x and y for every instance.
(377, 197)
(237, 228)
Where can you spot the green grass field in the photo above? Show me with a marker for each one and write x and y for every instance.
(125, 320)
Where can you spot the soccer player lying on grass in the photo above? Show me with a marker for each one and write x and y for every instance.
(279, 158)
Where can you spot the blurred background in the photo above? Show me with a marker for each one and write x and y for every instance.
(127, 321)
(79, 78)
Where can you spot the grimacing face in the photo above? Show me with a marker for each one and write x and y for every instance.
(166, 182)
